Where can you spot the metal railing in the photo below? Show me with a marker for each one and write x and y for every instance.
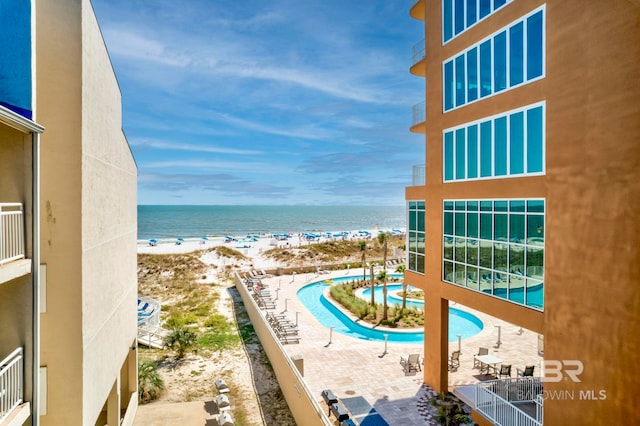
(419, 113)
(418, 177)
(418, 52)
(495, 398)
(11, 383)
(11, 232)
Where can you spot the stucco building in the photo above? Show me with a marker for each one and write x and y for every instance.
(68, 286)
(526, 205)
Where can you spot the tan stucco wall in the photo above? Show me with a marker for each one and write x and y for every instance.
(88, 215)
(109, 225)
(591, 187)
(16, 295)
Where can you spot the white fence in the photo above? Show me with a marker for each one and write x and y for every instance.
(495, 398)
(11, 383)
(11, 232)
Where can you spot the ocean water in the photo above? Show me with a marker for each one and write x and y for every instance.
(168, 222)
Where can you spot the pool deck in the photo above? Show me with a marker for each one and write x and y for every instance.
(360, 372)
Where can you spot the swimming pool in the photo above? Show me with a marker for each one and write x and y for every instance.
(312, 296)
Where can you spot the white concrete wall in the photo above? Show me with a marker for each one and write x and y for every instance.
(109, 225)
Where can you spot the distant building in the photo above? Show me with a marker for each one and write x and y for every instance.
(526, 207)
(68, 284)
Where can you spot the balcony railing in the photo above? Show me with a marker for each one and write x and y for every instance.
(11, 383)
(419, 113)
(11, 232)
(505, 401)
(418, 178)
(418, 52)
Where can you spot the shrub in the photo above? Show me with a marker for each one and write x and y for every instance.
(180, 339)
(149, 381)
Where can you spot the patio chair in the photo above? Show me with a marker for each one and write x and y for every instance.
(527, 372)
(481, 351)
(411, 362)
(505, 370)
(454, 360)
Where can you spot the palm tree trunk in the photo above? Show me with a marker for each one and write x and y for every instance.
(385, 307)
(404, 295)
(373, 299)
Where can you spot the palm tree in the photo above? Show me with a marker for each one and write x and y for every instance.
(373, 298)
(400, 269)
(180, 339)
(382, 239)
(362, 245)
(149, 381)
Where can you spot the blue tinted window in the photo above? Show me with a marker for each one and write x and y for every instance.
(516, 143)
(500, 153)
(448, 85)
(534, 140)
(485, 68)
(460, 81)
(516, 54)
(448, 156)
(471, 12)
(460, 153)
(472, 74)
(472, 151)
(448, 19)
(535, 47)
(485, 150)
(485, 8)
(459, 16)
(498, 3)
(500, 62)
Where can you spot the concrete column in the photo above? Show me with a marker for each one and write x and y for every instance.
(436, 342)
(113, 404)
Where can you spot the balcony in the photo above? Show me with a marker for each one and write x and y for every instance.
(418, 178)
(419, 118)
(417, 10)
(11, 232)
(418, 61)
(11, 388)
(515, 402)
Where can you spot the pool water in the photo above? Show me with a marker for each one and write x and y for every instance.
(312, 296)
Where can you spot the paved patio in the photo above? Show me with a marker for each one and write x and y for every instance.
(361, 370)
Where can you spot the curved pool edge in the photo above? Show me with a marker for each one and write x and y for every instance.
(350, 325)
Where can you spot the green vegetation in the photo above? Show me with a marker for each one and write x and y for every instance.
(342, 252)
(344, 294)
(149, 381)
(180, 339)
(449, 410)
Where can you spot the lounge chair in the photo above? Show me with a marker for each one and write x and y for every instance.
(481, 351)
(505, 370)
(221, 385)
(411, 362)
(454, 360)
(527, 372)
(222, 401)
(225, 419)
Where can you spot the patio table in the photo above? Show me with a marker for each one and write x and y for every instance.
(488, 362)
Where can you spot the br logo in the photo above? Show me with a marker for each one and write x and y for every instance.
(555, 370)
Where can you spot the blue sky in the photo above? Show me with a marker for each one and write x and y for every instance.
(267, 102)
